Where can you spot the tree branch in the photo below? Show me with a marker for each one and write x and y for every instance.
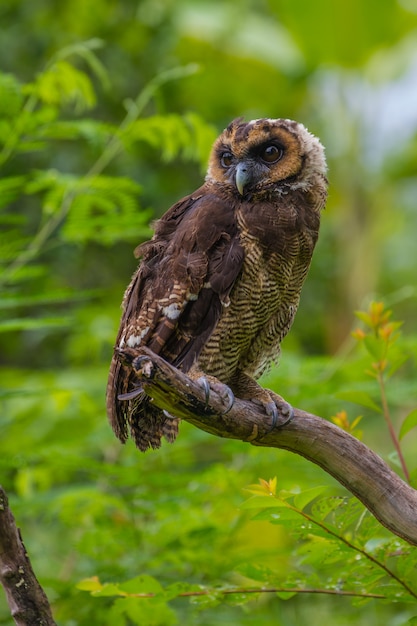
(352, 463)
(26, 598)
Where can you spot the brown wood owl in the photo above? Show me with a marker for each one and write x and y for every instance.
(218, 285)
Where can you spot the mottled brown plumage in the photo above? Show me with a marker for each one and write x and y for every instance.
(218, 285)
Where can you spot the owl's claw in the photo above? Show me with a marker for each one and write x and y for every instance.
(203, 382)
(225, 393)
(285, 411)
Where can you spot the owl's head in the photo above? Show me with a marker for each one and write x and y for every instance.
(266, 156)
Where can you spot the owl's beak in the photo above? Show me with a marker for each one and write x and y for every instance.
(243, 176)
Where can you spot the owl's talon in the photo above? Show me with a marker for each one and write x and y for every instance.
(225, 393)
(286, 412)
(203, 382)
(143, 365)
(272, 410)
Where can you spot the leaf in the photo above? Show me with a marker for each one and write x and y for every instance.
(265, 487)
(359, 397)
(141, 584)
(149, 611)
(408, 424)
(278, 516)
(286, 595)
(262, 502)
(239, 598)
(396, 362)
(209, 600)
(10, 189)
(306, 497)
(176, 589)
(375, 346)
(189, 136)
(108, 590)
(11, 98)
(364, 317)
(63, 84)
(84, 50)
(105, 209)
(323, 507)
(89, 584)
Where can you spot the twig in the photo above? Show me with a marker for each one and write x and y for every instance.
(26, 598)
(388, 420)
(351, 462)
(243, 590)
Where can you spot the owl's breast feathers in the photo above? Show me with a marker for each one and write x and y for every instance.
(281, 222)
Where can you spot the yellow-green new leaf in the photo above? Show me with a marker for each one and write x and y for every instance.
(408, 424)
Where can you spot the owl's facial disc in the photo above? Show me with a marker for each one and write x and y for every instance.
(243, 175)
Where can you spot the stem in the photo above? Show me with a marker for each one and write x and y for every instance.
(387, 417)
(206, 592)
(15, 136)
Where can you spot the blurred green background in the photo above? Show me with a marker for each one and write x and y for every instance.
(86, 505)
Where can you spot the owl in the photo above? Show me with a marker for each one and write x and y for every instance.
(219, 283)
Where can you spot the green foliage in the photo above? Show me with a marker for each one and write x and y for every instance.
(103, 126)
(341, 548)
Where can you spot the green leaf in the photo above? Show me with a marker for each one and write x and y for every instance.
(141, 584)
(11, 187)
(408, 424)
(63, 84)
(396, 362)
(149, 611)
(278, 516)
(176, 589)
(323, 507)
(89, 584)
(240, 598)
(84, 49)
(11, 98)
(375, 346)
(306, 497)
(286, 595)
(108, 590)
(208, 600)
(262, 502)
(359, 397)
(364, 317)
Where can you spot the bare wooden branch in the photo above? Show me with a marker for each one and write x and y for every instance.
(392, 501)
(26, 598)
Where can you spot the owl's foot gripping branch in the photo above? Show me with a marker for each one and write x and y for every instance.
(392, 501)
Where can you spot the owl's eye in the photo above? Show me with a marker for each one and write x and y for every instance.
(271, 153)
(226, 159)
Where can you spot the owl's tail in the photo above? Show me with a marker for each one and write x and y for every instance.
(148, 424)
(131, 410)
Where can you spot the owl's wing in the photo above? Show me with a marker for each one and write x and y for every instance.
(175, 299)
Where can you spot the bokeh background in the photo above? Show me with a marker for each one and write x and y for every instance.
(88, 506)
